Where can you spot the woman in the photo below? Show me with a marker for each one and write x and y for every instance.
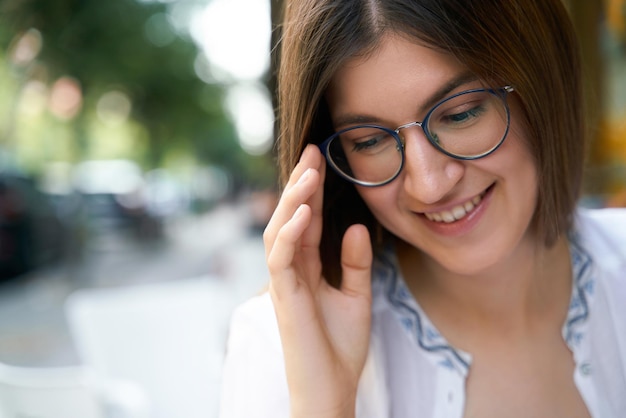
(426, 256)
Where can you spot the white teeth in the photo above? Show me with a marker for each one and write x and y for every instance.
(456, 213)
(447, 216)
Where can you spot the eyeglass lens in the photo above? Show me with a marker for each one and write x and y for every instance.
(466, 126)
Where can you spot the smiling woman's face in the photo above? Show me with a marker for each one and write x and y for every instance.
(465, 215)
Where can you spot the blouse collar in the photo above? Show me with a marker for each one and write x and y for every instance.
(389, 282)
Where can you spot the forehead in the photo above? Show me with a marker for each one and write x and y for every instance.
(398, 72)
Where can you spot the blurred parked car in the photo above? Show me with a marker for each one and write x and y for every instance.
(114, 197)
(31, 233)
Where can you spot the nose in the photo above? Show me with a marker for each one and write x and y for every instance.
(428, 174)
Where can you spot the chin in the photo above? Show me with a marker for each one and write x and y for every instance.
(469, 263)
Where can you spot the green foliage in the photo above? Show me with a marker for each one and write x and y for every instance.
(128, 46)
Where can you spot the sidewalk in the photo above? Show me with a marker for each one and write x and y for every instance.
(33, 328)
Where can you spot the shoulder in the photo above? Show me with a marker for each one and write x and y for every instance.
(253, 378)
(254, 319)
(603, 233)
(604, 217)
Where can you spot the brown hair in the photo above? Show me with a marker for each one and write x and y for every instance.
(527, 43)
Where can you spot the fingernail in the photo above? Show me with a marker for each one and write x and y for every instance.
(304, 176)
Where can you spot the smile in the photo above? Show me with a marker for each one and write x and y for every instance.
(456, 213)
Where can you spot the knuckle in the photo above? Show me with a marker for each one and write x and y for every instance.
(272, 269)
(291, 197)
(268, 235)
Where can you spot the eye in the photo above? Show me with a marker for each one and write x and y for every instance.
(462, 110)
(369, 143)
(366, 140)
(463, 117)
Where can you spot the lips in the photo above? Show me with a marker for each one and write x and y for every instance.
(456, 213)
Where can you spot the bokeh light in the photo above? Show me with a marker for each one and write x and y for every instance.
(236, 36)
(250, 108)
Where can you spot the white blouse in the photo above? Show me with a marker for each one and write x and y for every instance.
(412, 371)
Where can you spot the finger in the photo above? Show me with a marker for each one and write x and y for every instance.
(303, 182)
(312, 236)
(291, 199)
(311, 158)
(356, 262)
(281, 256)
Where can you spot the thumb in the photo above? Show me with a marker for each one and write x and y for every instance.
(356, 262)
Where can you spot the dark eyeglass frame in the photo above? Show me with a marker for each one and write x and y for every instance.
(500, 93)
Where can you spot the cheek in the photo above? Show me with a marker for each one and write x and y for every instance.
(381, 201)
(515, 158)
(521, 159)
(385, 204)
(516, 168)
(519, 133)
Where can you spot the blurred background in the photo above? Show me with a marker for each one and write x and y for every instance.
(136, 175)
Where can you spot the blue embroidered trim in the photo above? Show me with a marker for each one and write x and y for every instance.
(582, 290)
(415, 322)
(417, 325)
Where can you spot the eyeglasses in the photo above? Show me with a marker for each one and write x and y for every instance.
(466, 126)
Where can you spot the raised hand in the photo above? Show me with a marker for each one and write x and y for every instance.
(324, 331)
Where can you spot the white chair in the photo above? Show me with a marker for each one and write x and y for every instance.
(169, 338)
(63, 392)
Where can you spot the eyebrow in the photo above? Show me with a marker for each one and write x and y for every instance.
(433, 99)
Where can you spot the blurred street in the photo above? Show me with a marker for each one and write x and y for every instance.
(219, 244)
